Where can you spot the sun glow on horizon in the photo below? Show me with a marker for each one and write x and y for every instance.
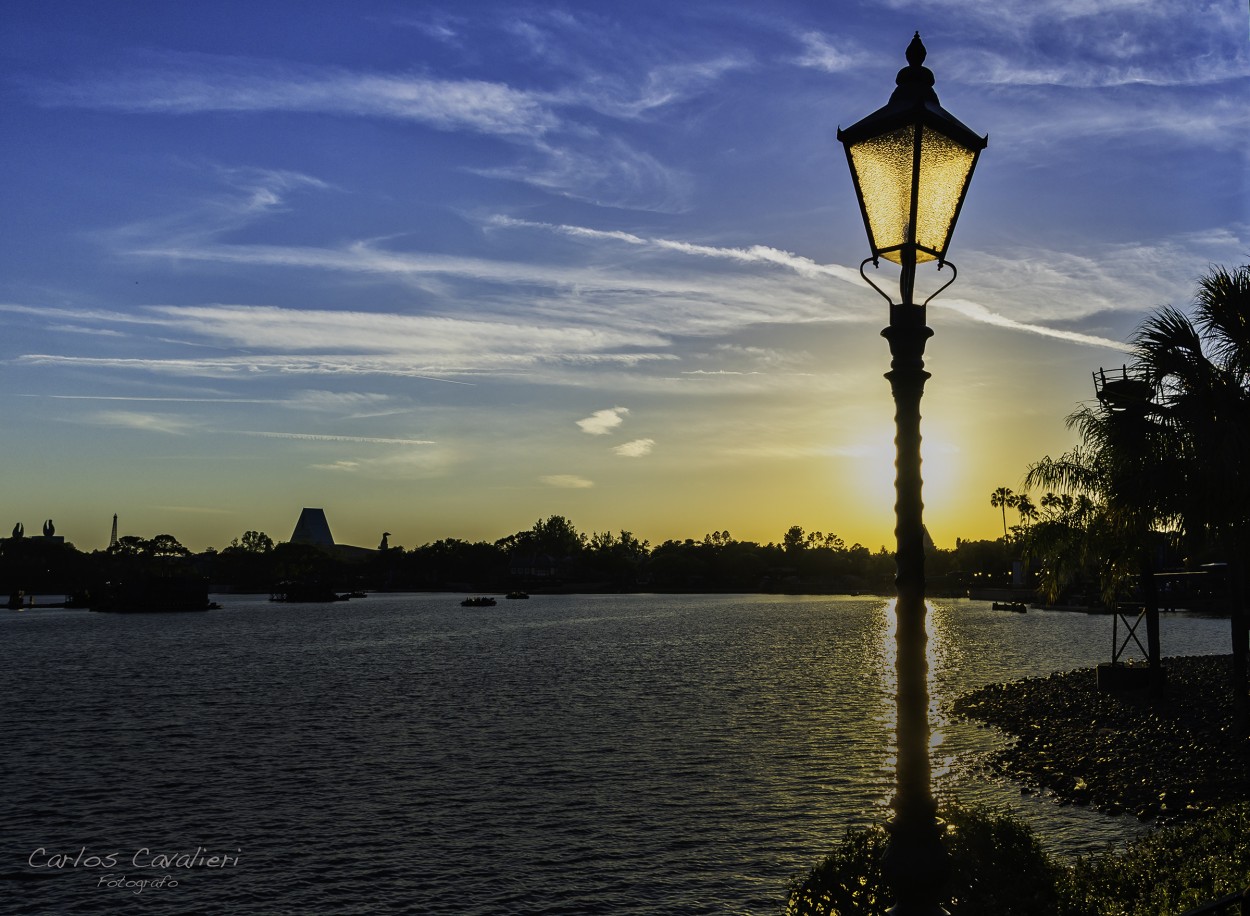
(871, 478)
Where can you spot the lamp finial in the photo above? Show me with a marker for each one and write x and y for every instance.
(916, 52)
(915, 81)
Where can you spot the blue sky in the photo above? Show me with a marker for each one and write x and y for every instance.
(445, 269)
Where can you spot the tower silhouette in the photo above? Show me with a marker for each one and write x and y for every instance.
(312, 528)
(113, 536)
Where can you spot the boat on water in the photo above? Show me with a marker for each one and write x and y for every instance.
(1018, 607)
(154, 595)
(512, 596)
(478, 602)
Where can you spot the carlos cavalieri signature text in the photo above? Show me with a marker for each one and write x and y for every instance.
(140, 858)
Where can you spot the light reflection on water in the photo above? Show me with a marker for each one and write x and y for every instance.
(592, 754)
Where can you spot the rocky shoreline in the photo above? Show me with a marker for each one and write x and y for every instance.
(1168, 761)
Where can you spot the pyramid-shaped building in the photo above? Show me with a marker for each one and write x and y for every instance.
(312, 528)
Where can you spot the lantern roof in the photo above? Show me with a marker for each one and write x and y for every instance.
(912, 101)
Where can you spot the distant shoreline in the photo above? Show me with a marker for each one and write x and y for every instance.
(1116, 752)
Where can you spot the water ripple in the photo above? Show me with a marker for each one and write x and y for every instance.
(580, 755)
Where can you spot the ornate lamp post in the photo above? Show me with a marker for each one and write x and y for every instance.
(911, 162)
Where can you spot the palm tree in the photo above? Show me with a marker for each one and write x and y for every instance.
(1028, 511)
(1073, 550)
(1003, 497)
(1200, 369)
(1084, 537)
(1169, 458)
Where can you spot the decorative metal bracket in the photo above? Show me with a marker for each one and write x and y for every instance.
(875, 263)
(885, 295)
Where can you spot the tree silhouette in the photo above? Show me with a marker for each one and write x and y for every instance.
(793, 541)
(1199, 368)
(1002, 498)
(253, 542)
(1028, 511)
(1163, 449)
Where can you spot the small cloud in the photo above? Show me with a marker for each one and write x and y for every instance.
(148, 422)
(405, 464)
(602, 422)
(567, 481)
(80, 329)
(348, 466)
(336, 400)
(326, 437)
(635, 449)
(820, 53)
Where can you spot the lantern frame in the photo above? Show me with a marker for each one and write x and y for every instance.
(914, 108)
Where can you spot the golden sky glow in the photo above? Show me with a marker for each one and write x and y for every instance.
(448, 273)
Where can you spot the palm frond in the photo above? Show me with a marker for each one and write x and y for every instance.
(1222, 310)
(1071, 473)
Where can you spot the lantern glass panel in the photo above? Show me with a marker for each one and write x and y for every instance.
(945, 167)
(883, 166)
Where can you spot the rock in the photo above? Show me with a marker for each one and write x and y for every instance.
(1120, 752)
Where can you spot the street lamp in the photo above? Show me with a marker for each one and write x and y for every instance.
(911, 162)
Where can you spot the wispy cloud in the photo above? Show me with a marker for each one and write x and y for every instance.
(440, 27)
(607, 299)
(399, 464)
(607, 171)
(602, 422)
(567, 482)
(1092, 43)
(1082, 280)
(685, 301)
(345, 466)
(753, 254)
(821, 53)
(77, 329)
(638, 448)
(661, 86)
(250, 195)
(595, 314)
(149, 398)
(353, 403)
(193, 83)
(437, 348)
(983, 315)
(325, 437)
(564, 151)
(145, 422)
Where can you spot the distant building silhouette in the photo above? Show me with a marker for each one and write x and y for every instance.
(312, 528)
(113, 536)
(49, 533)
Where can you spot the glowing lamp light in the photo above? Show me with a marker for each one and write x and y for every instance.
(911, 162)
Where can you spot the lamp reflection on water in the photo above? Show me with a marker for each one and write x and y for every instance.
(941, 653)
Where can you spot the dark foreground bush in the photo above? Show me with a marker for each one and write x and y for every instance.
(999, 868)
(1169, 871)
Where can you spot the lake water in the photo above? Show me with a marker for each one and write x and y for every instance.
(580, 755)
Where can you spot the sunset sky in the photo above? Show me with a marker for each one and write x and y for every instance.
(443, 269)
